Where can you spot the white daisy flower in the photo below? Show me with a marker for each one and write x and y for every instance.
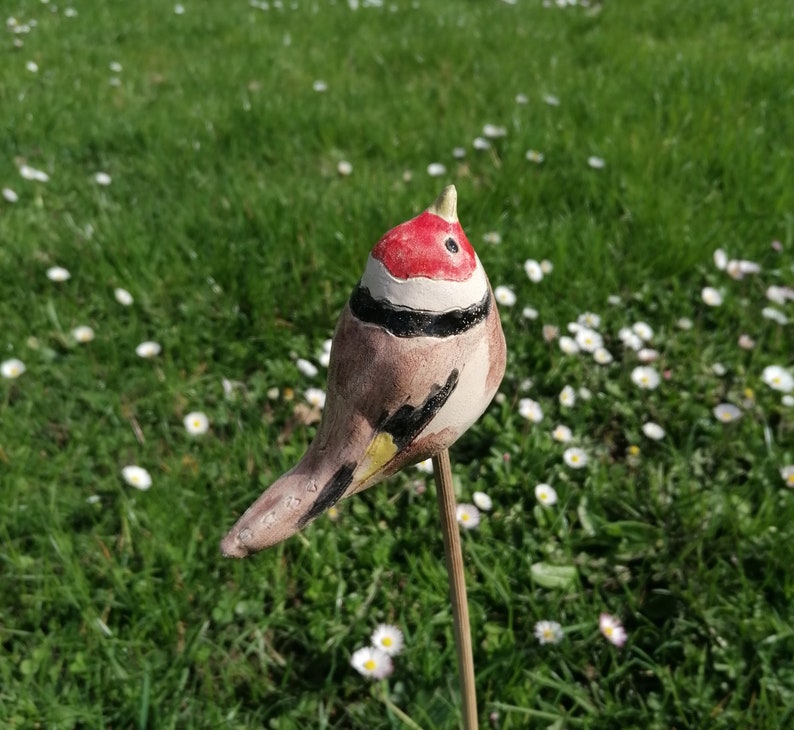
(493, 238)
(779, 294)
(612, 629)
(522, 99)
(123, 297)
(344, 168)
(482, 501)
(645, 377)
(179, 9)
(459, 152)
(568, 396)
(720, 259)
(137, 476)
(738, 269)
(647, 354)
(480, 143)
(711, 296)
(575, 458)
(718, 369)
(548, 632)
(388, 638)
(630, 340)
(83, 334)
(778, 378)
(425, 466)
(684, 323)
(529, 313)
(597, 163)
(727, 413)
(588, 340)
(32, 66)
(12, 368)
(196, 423)
(589, 320)
(372, 662)
(306, 368)
(602, 356)
(568, 345)
(436, 169)
(530, 410)
(546, 267)
(533, 270)
(653, 430)
(551, 100)
(787, 472)
(535, 156)
(468, 516)
(614, 300)
(562, 433)
(31, 173)
(102, 178)
(642, 330)
(148, 350)
(774, 314)
(315, 397)
(319, 86)
(58, 273)
(546, 495)
(505, 296)
(492, 131)
(10, 195)
(746, 342)
(550, 332)
(115, 67)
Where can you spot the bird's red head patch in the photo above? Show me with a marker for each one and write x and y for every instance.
(427, 246)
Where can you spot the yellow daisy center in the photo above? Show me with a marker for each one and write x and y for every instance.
(634, 450)
(370, 665)
(386, 641)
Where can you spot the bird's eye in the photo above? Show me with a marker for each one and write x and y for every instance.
(451, 245)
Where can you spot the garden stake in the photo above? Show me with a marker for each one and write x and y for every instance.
(442, 473)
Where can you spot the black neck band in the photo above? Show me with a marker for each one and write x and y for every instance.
(406, 322)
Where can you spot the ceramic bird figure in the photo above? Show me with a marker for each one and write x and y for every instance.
(417, 356)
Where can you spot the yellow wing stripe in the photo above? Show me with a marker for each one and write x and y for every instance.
(380, 452)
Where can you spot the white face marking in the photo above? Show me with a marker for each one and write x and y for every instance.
(423, 293)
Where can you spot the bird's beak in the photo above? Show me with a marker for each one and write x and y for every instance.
(446, 205)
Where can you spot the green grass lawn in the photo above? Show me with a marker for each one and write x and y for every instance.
(228, 222)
